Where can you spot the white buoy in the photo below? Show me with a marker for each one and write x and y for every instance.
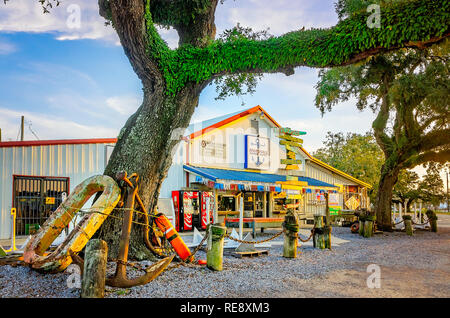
(244, 247)
(230, 243)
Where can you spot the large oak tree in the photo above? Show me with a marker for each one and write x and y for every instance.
(173, 79)
(408, 90)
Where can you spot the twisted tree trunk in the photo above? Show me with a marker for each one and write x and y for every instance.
(384, 200)
(145, 146)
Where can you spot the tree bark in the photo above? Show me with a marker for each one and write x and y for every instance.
(145, 145)
(384, 200)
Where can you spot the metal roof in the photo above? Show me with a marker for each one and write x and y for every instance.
(223, 174)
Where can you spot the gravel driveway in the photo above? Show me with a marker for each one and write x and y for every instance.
(417, 266)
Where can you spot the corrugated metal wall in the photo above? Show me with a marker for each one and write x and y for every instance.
(314, 171)
(76, 161)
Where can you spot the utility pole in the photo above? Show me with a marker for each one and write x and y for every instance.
(446, 174)
(1, 138)
(22, 121)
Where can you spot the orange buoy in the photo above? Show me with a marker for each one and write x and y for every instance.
(173, 237)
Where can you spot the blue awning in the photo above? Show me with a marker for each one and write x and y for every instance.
(223, 174)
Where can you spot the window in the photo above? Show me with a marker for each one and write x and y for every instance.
(35, 198)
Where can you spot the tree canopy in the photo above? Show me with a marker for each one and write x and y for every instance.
(355, 154)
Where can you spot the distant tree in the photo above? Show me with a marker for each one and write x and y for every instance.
(431, 187)
(406, 190)
(355, 154)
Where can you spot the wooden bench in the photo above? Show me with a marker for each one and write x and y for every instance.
(254, 223)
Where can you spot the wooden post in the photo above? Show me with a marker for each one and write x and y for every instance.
(22, 121)
(291, 227)
(214, 256)
(362, 221)
(241, 216)
(408, 224)
(368, 225)
(415, 212)
(432, 217)
(94, 272)
(420, 212)
(319, 239)
(327, 227)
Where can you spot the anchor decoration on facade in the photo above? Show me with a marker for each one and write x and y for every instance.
(258, 162)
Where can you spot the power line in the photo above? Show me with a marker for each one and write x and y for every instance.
(29, 123)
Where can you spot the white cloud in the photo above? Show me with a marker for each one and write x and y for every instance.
(49, 127)
(124, 105)
(28, 16)
(279, 16)
(7, 47)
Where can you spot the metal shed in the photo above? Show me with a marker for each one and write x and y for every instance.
(33, 175)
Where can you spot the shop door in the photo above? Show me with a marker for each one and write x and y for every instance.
(259, 204)
(35, 198)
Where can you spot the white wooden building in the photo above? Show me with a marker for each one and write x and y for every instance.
(235, 154)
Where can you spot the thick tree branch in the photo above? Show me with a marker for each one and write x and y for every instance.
(128, 18)
(348, 42)
(379, 124)
(194, 20)
(435, 139)
(442, 156)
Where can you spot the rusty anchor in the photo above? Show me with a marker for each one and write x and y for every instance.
(120, 278)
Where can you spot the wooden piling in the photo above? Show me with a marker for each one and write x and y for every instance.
(94, 273)
(214, 256)
(319, 237)
(408, 224)
(432, 218)
(291, 227)
(368, 225)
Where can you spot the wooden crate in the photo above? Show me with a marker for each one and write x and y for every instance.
(250, 254)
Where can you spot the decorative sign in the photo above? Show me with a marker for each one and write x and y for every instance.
(333, 199)
(291, 132)
(334, 210)
(49, 200)
(352, 203)
(289, 141)
(291, 162)
(257, 152)
(213, 151)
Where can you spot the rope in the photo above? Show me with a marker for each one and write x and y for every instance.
(183, 263)
(254, 242)
(310, 236)
(421, 223)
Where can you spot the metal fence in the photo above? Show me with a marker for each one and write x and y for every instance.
(35, 198)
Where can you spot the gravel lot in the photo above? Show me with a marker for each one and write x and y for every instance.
(417, 266)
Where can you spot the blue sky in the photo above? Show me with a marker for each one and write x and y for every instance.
(78, 83)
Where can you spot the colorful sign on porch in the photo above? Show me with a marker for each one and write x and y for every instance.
(289, 141)
(291, 132)
(352, 203)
